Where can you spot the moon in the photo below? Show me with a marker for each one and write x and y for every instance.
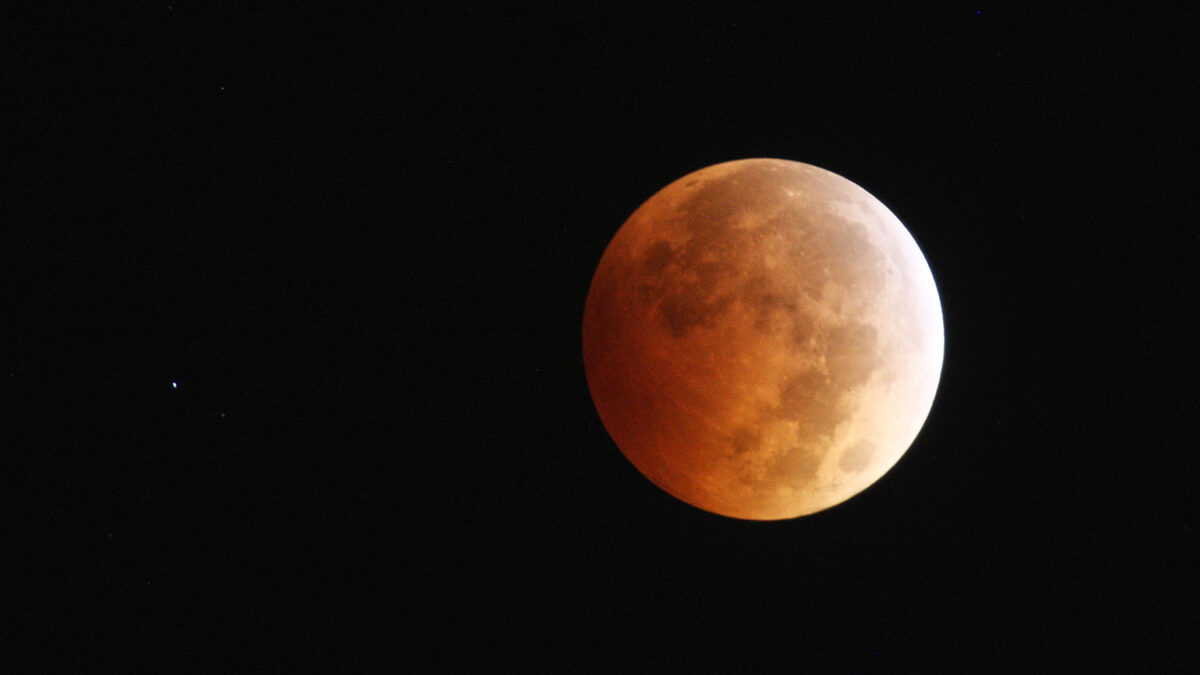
(763, 339)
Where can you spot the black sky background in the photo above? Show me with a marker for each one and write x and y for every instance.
(360, 245)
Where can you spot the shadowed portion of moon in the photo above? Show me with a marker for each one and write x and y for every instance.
(763, 339)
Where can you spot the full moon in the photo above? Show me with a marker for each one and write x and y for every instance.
(763, 339)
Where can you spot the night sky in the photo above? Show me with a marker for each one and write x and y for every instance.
(290, 361)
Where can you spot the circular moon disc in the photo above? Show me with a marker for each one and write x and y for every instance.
(763, 339)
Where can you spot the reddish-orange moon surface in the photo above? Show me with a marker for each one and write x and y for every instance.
(763, 339)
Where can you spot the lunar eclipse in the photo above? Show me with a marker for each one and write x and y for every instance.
(763, 339)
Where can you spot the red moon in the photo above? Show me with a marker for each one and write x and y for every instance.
(763, 339)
